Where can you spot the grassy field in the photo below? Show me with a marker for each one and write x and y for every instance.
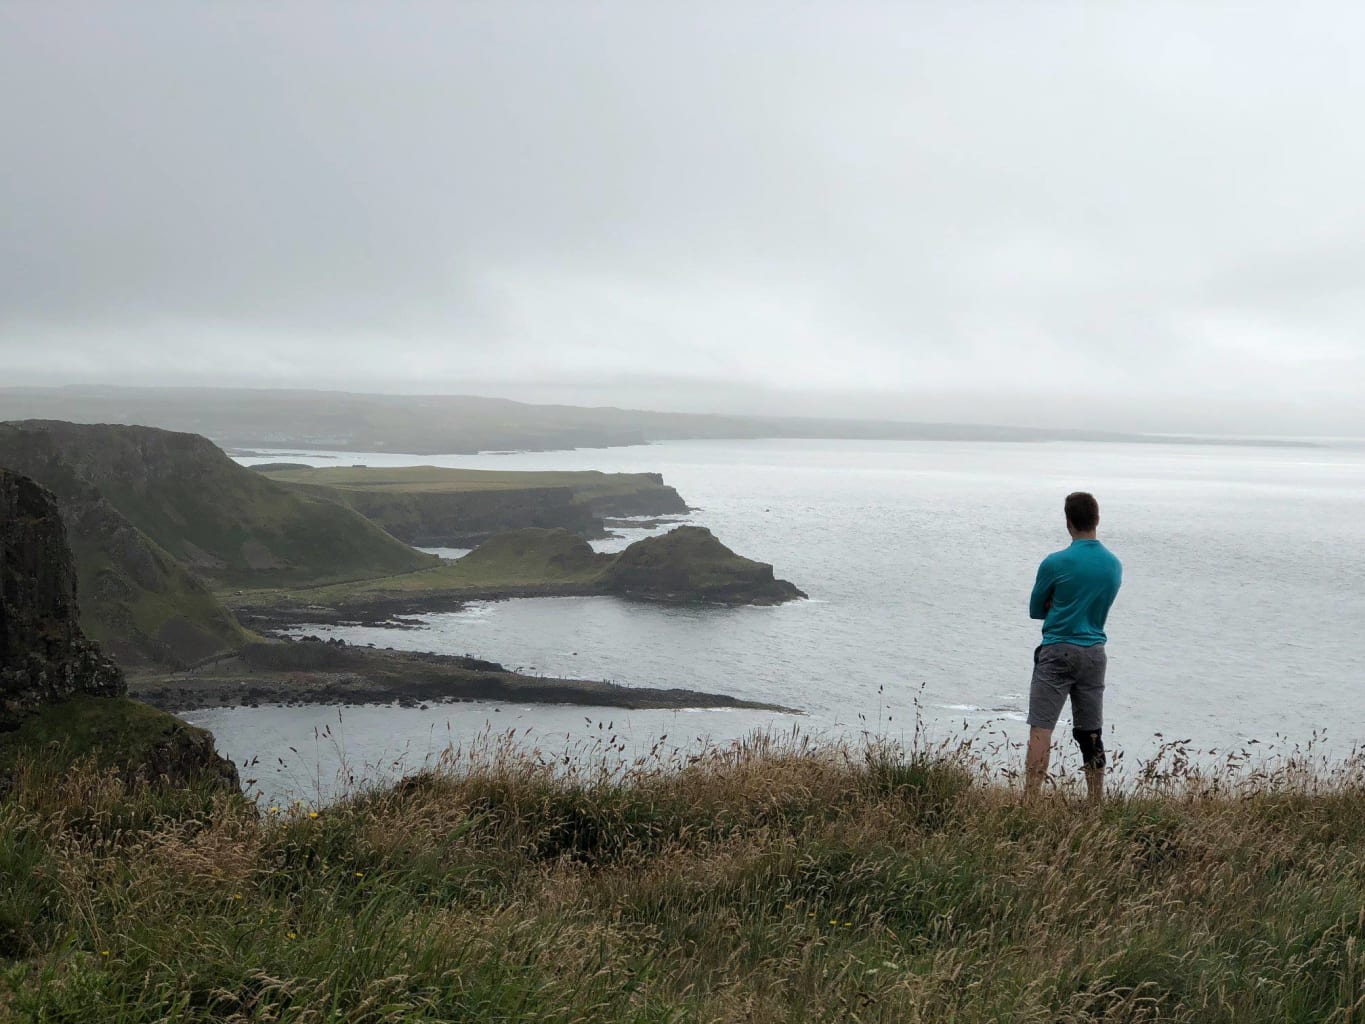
(586, 484)
(765, 882)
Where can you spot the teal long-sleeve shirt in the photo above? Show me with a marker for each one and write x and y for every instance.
(1081, 583)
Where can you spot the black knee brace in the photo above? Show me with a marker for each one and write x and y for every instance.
(1091, 743)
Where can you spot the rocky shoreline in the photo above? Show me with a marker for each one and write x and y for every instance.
(312, 671)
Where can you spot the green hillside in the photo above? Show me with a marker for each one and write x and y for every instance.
(227, 524)
(136, 600)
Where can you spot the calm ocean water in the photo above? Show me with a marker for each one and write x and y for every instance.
(1242, 615)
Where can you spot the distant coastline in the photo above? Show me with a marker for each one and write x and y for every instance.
(248, 420)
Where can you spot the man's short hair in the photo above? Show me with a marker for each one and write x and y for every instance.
(1082, 511)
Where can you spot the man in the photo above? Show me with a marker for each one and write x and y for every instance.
(1074, 591)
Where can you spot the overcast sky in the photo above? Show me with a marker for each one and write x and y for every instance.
(1122, 215)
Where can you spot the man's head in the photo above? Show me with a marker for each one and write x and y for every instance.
(1082, 514)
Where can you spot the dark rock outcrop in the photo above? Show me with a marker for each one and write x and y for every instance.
(688, 565)
(44, 656)
(659, 500)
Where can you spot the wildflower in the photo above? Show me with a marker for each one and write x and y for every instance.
(236, 896)
(274, 810)
(104, 952)
(834, 922)
(360, 874)
(312, 814)
(848, 924)
(292, 935)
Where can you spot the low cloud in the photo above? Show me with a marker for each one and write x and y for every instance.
(956, 211)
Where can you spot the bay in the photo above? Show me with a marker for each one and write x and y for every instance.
(1241, 618)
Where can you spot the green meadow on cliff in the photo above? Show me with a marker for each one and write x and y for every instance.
(588, 486)
(767, 882)
(434, 506)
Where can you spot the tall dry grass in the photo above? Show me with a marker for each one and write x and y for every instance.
(774, 880)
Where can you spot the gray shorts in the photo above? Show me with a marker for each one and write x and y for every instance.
(1062, 670)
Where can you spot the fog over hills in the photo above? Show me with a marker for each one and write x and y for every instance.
(1124, 216)
(432, 424)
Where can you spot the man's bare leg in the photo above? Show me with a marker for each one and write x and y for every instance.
(1036, 760)
(1094, 785)
(1091, 742)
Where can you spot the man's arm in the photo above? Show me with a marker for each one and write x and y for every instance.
(1040, 601)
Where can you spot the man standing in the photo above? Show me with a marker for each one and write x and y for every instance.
(1074, 591)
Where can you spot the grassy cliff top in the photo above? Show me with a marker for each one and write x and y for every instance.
(532, 554)
(761, 883)
(114, 733)
(586, 484)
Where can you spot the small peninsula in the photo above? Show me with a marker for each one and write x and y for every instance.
(686, 566)
(315, 671)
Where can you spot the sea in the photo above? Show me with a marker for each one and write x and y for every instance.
(1239, 628)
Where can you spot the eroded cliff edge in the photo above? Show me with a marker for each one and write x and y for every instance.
(59, 694)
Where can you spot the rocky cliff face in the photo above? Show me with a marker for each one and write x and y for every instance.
(58, 692)
(468, 519)
(44, 656)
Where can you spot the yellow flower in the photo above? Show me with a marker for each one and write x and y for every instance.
(360, 874)
(274, 810)
(104, 952)
(236, 895)
(848, 924)
(292, 935)
(312, 814)
(834, 922)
